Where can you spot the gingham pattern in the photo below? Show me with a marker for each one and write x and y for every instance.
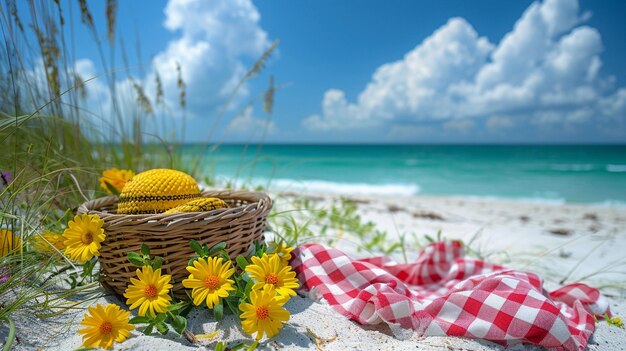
(445, 293)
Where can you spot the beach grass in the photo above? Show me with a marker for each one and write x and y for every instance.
(55, 148)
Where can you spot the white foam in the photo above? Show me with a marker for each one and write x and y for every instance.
(616, 168)
(535, 199)
(323, 186)
(610, 203)
(585, 167)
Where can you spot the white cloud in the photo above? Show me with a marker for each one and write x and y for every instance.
(337, 111)
(499, 122)
(614, 105)
(218, 40)
(98, 94)
(546, 70)
(463, 126)
(246, 124)
(36, 92)
(111, 119)
(411, 86)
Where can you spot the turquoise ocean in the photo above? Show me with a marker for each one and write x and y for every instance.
(552, 173)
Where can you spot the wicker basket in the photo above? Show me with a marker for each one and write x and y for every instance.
(168, 235)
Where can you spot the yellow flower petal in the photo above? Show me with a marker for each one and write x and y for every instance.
(105, 324)
(264, 315)
(83, 237)
(267, 272)
(209, 280)
(117, 178)
(150, 292)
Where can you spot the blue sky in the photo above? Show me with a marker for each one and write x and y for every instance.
(368, 71)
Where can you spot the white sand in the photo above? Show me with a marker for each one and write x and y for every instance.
(589, 241)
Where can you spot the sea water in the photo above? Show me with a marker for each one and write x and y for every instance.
(554, 173)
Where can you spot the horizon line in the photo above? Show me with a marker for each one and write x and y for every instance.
(392, 143)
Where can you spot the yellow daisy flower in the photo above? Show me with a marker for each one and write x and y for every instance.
(116, 177)
(48, 242)
(149, 292)
(83, 237)
(265, 314)
(284, 252)
(209, 280)
(268, 272)
(105, 324)
(9, 242)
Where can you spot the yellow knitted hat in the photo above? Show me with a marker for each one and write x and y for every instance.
(156, 191)
(200, 205)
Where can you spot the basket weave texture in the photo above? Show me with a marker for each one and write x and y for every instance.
(168, 235)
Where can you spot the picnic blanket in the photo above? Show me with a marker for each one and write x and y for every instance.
(445, 293)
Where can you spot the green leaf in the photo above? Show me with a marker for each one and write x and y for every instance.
(145, 250)
(218, 311)
(149, 329)
(220, 346)
(260, 251)
(135, 259)
(248, 288)
(160, 317)
(140, 320)
(179, 323)
(188, 306)
(238, 347)
(158, 262)
(162, 328)
(191, 261)
(73, 282)
(176, 306)
(8, 215)
(253, 346)
(195, 246)
(111, 188)
(219, 247)
(231, 306)
(246, 277)
(224, 256)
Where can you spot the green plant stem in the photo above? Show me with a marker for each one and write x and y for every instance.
(11, 336)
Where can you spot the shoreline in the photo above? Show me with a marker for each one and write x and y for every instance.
(396, 190)
(617, 204)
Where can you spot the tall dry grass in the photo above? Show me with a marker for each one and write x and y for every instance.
(54, 146)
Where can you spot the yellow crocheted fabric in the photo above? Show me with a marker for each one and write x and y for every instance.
(200, 205)
(156, 191)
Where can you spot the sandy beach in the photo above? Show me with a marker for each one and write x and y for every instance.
(563, 243)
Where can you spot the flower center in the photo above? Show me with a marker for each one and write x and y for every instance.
(150, 291)
(262, 313)
(212, 282)
(87, 238)
(271, 279)
(106, 328)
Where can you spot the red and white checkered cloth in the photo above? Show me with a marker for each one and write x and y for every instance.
(445, 293)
